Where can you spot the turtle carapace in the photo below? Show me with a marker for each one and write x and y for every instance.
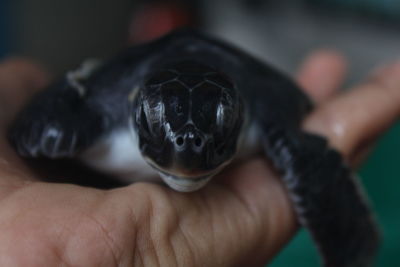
(183, 107)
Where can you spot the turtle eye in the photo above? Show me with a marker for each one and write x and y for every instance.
(225, 116)
(205, 99)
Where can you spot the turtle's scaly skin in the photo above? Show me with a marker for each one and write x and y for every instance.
(62, 121)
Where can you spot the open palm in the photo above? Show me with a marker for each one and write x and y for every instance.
(242, 218)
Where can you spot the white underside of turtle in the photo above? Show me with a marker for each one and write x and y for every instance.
(118, 154)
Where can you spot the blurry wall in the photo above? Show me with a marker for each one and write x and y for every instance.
(5, 31)
(62, 33)
(283, 32)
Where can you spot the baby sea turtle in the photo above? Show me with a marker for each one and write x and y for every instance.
(186, 105)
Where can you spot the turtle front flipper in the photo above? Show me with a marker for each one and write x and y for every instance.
(326, 197)
(57, 123)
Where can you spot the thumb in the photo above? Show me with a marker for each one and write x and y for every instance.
(356, 118)
(19, 79)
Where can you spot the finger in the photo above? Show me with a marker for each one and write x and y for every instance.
(322, 74)
(261, 190)
(244, 217)
(354, 120)
(19, 79)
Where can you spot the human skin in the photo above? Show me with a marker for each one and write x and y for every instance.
(242, 218)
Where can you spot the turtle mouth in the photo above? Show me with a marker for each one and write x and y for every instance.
(185, 183)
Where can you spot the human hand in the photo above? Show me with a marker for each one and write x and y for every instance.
(242, 218)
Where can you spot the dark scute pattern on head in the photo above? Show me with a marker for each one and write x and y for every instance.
(191, 80)
(161, 77)
(220, 80)
(176, 100)
(199, 105)
(206, 98)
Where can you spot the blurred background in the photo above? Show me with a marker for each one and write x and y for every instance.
(60, 34)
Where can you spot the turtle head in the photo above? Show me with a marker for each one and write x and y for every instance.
(188, 120)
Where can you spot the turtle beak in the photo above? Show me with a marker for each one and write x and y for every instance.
(185, 184)
(183, 181)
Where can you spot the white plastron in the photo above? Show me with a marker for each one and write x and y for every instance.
(118, 154)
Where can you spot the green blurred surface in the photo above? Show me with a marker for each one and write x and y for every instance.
(381, 178)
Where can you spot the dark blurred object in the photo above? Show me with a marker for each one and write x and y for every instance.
(383, 9)
(5, 31)
(255, 4)
(61, 34)
(157, 17)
